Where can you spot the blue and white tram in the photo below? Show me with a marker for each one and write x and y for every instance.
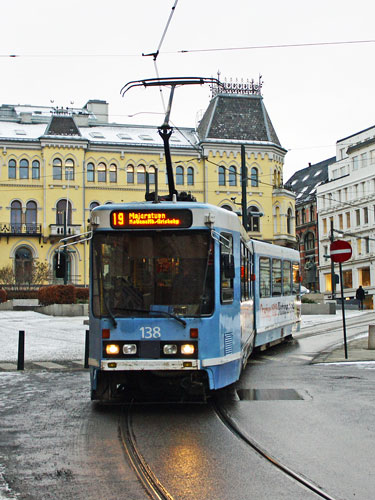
(276, 293)
(172, 298)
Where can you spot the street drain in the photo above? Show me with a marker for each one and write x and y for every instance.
(268, 394)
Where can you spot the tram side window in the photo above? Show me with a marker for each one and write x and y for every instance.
(226, 268)
(245, 273)
(296, 278)
(276, 277)
(287, 277)
(265, 277)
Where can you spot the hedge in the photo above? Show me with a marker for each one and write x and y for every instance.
(3, 295)
(57, 294)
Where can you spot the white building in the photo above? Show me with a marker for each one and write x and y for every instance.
(347, 203)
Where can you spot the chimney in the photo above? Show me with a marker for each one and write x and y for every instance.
(99, 109)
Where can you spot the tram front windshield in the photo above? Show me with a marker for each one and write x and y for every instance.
(158, 273)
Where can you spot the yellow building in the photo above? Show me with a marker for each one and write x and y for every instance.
(57, 164)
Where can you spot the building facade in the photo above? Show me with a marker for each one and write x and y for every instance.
(58, 164)
(346, 205)
(304, 184)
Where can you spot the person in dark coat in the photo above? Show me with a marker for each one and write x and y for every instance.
(360, 295)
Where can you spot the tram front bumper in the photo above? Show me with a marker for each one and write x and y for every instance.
(149, 364)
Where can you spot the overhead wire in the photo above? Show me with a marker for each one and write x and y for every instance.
(199, 50)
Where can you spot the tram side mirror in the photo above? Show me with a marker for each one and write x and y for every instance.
(227, 265)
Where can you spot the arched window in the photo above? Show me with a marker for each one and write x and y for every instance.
(31, 217)
(12, 169)
(254, 177)
(253, 215)
(23, 265)
(180, 176)
(63, 211)
(16, 216)
(90, 172)
(190, 176)
(93, 204)
(221, 176)
(152, 175)
(141, 175)
(277, 220)
(102, 172)
(35, 172)
(57, 169)
(112, 173)
(69, 170)
(232, 176)
(227, 207)
(24, 169)
(309, 241)
(289, 221)
(130, 174)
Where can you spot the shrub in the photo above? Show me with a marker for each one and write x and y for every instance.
(305, 300)
(82, 294)
(22, 294)
(3, 295)
(57, 294)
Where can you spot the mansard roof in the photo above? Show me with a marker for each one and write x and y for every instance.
(62, 125)
(237, 118)
(305, 181)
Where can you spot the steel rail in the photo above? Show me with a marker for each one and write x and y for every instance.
(233, 427)
(148, 479)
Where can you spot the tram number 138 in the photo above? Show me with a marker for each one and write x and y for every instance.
(148, 332)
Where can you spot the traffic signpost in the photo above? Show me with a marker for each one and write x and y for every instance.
(341, 251)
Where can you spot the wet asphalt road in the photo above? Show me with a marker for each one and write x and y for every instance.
(56, 444)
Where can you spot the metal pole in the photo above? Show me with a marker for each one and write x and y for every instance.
(244, 186)
(21, 350)
(333, 282)
(343, 311)
(64, 251)
(86, 365)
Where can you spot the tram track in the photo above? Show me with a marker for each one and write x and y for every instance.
(351, 323)
(251, 443)
(154, 488)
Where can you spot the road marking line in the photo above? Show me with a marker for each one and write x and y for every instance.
(49, 364)
(8, 366)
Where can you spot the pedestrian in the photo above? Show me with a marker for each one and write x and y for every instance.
(360, 295)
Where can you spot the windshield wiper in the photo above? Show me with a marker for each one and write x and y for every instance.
(111, 315)
(155, 311)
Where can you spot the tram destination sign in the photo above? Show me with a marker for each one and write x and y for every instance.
(151, 219)
(340, 251)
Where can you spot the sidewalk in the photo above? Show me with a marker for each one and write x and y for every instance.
(357, 348)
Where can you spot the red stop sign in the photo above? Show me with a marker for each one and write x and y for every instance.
(340, 251)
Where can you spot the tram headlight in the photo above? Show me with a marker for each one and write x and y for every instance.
(187, 349)
(112, 349)
(170, 349)
(129, 349)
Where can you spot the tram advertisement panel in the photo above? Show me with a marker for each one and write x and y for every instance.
(276, 311)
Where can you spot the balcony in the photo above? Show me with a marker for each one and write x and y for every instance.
(19, 229)
(59, 230)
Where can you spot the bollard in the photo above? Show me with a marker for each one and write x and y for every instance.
(371, 336)
(21, 350)
(86, 365)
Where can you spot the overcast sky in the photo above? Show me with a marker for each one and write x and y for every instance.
(73, 51)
